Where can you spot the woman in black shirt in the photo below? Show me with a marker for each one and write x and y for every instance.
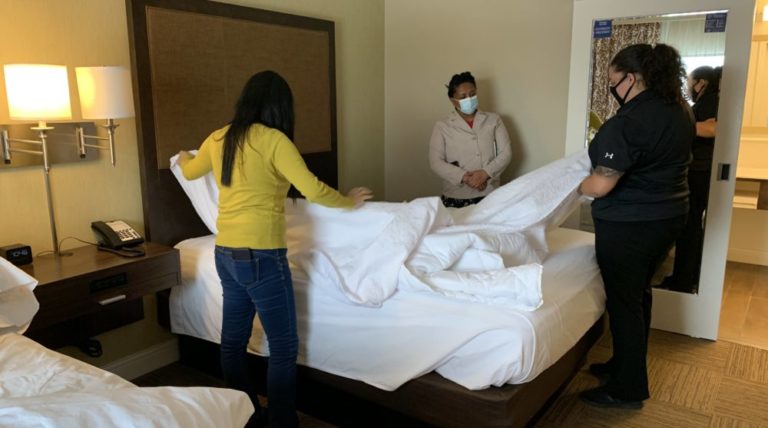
(704, 88)
(640, 158)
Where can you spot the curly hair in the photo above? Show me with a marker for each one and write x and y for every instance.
(458, 79)
(660, 67)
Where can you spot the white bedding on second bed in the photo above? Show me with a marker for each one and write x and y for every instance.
(43, 388)
(412, 333)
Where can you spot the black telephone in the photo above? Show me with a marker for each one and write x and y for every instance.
(116, 235)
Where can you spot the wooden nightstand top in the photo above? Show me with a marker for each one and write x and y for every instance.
(85, 260)
(91, 291)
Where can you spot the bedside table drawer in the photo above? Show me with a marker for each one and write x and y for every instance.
(81, 295)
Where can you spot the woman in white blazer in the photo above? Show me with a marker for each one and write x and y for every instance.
(470, 148)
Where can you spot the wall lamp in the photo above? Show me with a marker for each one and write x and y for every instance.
(105, 93)
(41, 93)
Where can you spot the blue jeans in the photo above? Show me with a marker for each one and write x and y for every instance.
(259, 281)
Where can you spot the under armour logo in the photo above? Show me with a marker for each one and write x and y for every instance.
(609, 155)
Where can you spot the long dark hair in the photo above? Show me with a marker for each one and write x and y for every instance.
(660, 67)
(266, 99)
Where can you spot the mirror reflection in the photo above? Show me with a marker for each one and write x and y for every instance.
(700, 39)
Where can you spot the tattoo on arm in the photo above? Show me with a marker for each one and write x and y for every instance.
(608, 172)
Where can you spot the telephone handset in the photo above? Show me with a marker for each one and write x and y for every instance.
(116, 235)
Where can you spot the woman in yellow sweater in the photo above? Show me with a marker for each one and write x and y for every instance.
(255, 162)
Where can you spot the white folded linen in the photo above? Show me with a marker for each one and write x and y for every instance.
(18, 304)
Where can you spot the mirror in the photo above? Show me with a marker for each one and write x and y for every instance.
(699, 37)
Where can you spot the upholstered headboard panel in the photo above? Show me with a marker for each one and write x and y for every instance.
(190, 60)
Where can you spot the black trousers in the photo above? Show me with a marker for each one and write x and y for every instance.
(690, 245)
(459, 203)
(628, 254)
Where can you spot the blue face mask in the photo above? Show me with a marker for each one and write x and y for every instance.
(468, 105)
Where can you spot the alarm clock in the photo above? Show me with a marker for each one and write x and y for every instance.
(18, 254)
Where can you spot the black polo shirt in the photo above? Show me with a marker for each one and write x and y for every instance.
(649, 140)
(703, 147)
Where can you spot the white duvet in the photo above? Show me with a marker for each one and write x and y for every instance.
(42, 388)
(489, 253)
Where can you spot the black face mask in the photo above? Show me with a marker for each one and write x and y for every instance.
(621, 100)
(696, 94)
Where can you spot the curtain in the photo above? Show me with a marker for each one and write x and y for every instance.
(689, 38)
(602, 103)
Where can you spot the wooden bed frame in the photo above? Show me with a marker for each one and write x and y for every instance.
(170, 218)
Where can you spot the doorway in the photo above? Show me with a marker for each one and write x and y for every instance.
(743, 317)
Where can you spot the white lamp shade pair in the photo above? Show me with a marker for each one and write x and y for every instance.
(41, 92)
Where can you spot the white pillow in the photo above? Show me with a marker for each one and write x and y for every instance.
(18, 304)
(202, 192)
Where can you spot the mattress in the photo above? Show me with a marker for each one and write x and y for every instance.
(412, 333)
(40, 387)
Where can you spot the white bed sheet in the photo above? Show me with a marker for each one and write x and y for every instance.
(412, 333)
(43, 388)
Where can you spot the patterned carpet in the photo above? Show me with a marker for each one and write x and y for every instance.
(694, 383)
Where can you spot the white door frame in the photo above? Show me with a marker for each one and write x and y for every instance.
(696, 315)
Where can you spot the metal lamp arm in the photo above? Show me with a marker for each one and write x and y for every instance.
(81, 137)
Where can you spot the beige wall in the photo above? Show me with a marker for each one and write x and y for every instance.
(518, 51)
(94, 32)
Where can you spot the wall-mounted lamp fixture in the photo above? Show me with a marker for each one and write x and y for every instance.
(765, 13)
(41, 93)
(105, 93)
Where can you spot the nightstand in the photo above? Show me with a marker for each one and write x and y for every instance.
(91, 291)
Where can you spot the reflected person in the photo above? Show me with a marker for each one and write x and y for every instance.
(470, 148)
(704, 90)
(640, 159)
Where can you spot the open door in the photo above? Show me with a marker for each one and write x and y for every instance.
(695, 314)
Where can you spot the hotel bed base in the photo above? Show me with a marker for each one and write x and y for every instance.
(429, 400)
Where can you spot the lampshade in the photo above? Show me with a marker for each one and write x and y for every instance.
(765, 13)
(105, 92)
(37, 92)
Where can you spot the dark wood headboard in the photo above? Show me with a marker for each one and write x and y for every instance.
(190, 59)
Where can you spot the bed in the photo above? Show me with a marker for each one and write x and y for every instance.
(41, 387)
(165, 33)
(428, 355)
(345, 347)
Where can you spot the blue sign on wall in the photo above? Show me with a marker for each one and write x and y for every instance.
(715, 23)
(602, 29)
